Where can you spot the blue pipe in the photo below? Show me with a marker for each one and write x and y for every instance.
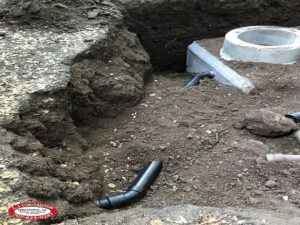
(295, 116)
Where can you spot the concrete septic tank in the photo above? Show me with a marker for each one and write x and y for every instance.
(267, 44)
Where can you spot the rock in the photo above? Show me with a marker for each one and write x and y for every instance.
(60, 5)
(267, 123)
(2, 167)
(296, 151)
(271, 184)
(35, 165)
(175, 177)
(297, 136)
(154, 187)
(257, 147)
(26, 146)
(162, 147)
(239, 126)
(79, 194)
(19, 143)
(156, 222)
(44, 187)
(258, 192)
(187, 189)
(254, 201)
(285, 198)
(286, 173)
(26, 5)
(111, 185)
(189, 137)
(2, 33)
(34, 8)
(34, 146)
(88, 40)
(17, 12)
(92, 14)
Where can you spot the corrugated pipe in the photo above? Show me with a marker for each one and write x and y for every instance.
(137, 190)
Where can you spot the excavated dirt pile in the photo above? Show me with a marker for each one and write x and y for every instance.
(75, 143)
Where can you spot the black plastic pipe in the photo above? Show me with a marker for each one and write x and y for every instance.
(137, 190)
(295, 116)
(196, 79)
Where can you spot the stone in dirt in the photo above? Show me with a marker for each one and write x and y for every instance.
(253, 201)
(271, 184)
(93, 14)
(79, 194)
(35, 165)
(263, 122)
(26, 146)
(44, 187)
(257, 147)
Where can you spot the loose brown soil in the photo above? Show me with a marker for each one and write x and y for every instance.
(208, 159)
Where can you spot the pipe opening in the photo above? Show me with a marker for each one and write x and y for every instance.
(269, 37)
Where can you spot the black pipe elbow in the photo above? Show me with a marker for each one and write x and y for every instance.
(196, 79)
(137, 190)
(119, 200)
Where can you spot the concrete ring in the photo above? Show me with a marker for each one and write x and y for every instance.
(268, 44)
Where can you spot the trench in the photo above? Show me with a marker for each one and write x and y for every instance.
(165, 33)
(111, 134)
